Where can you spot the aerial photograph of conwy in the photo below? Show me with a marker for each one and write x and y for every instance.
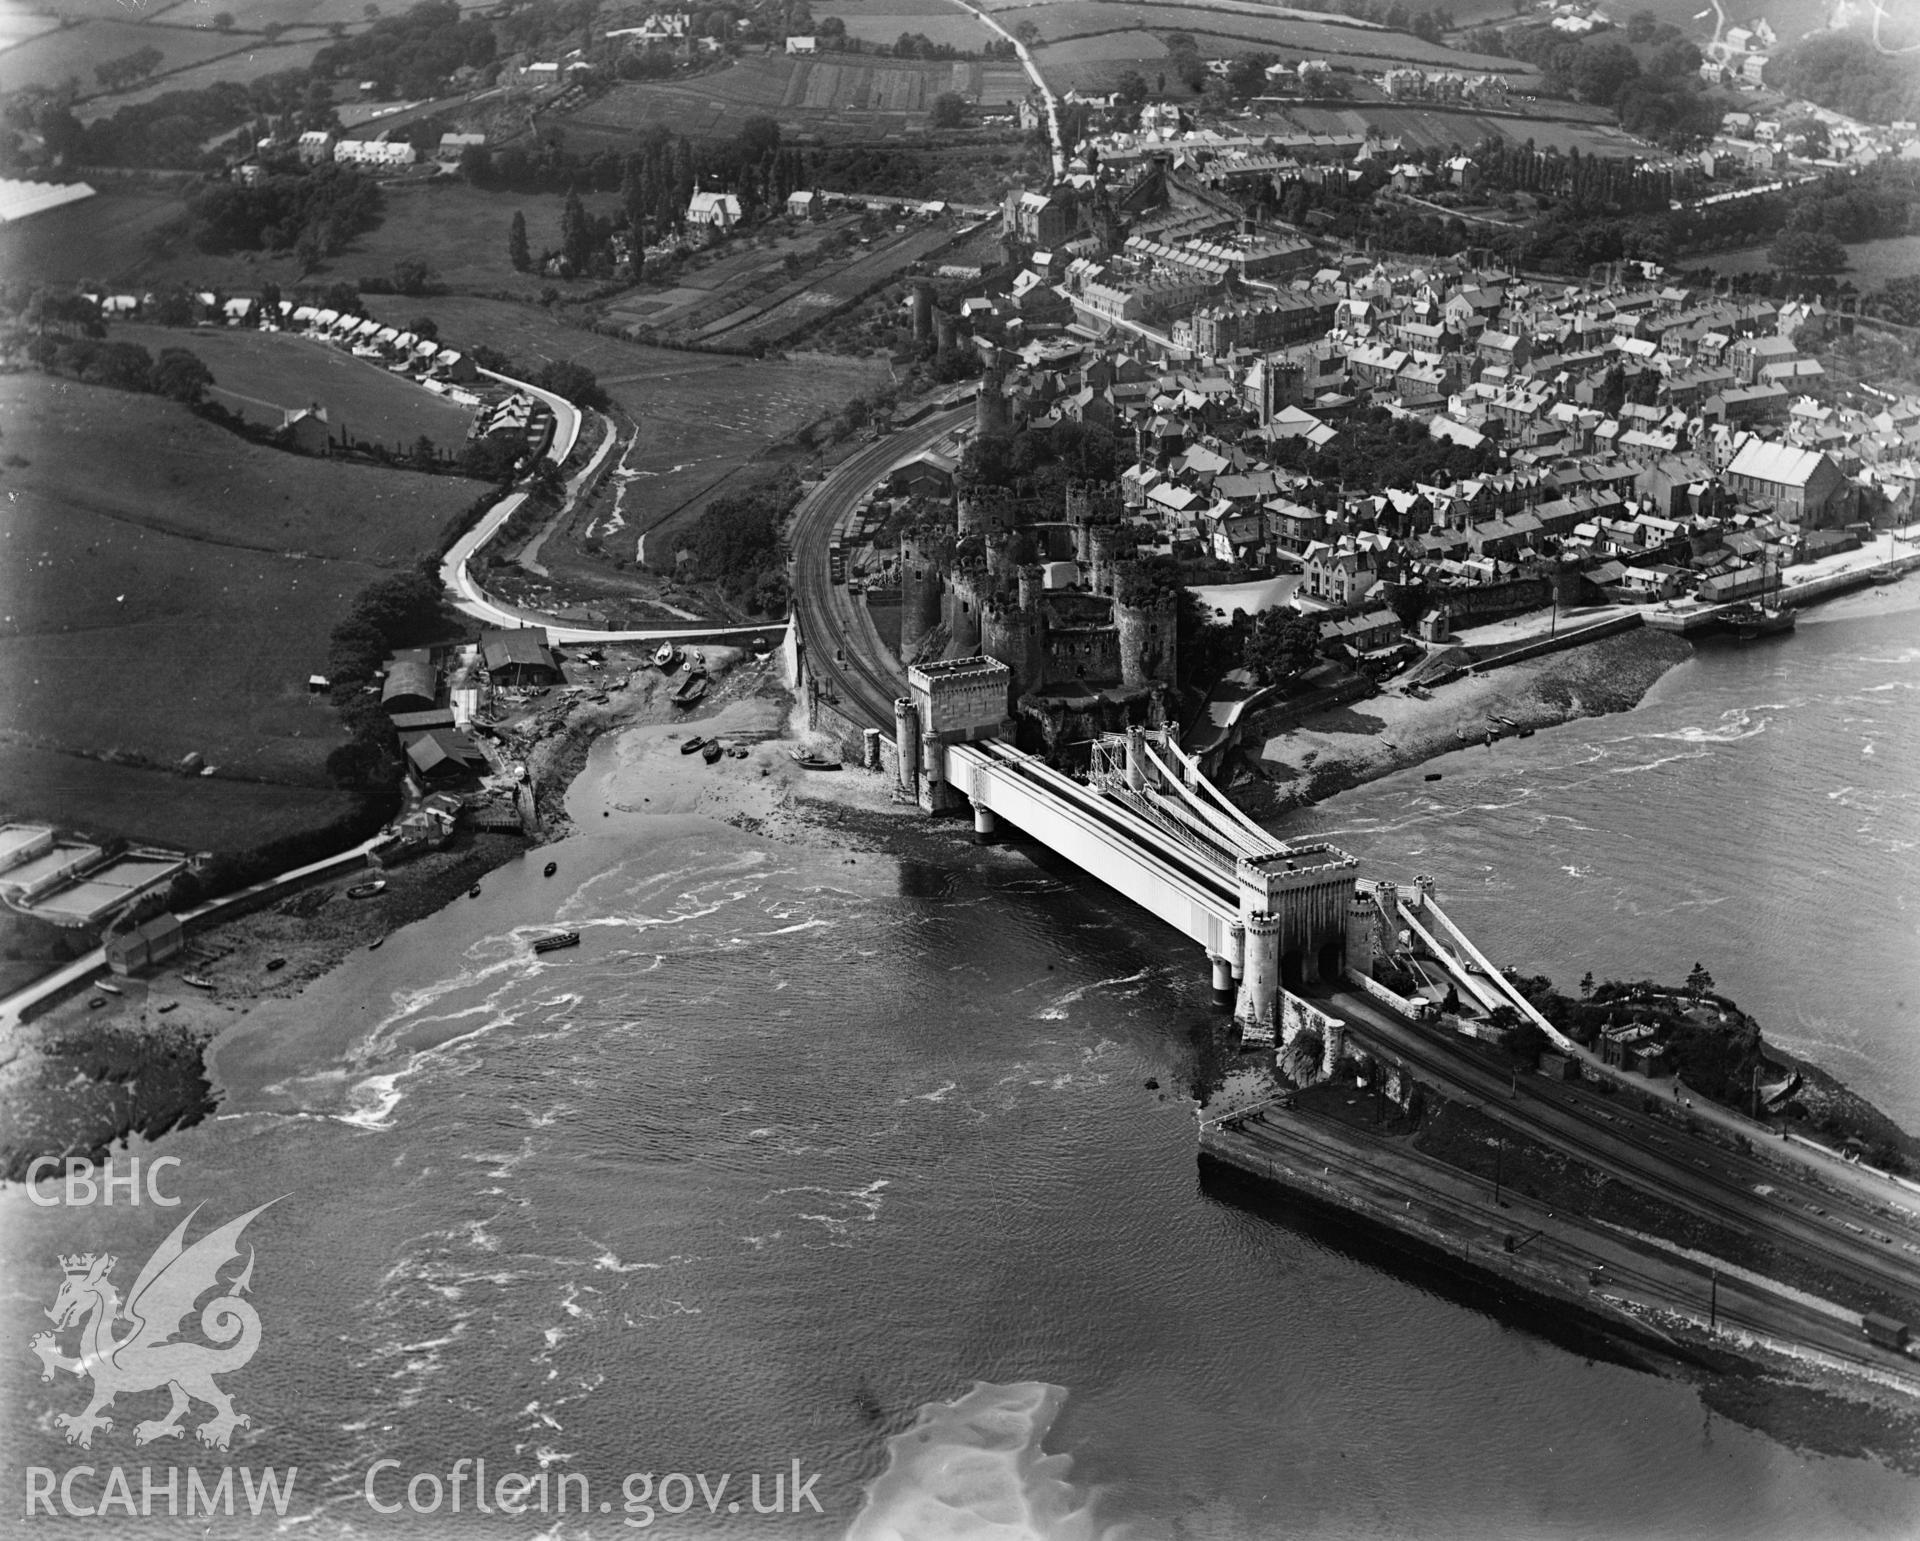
(960, 770)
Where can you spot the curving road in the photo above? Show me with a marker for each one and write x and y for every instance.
(854, 667)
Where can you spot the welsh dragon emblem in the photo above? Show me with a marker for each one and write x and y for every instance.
(148, 1356)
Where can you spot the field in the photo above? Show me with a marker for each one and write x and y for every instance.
(119, 238)
(885, 20)
(51, 57)
(262, 375)
(837, 97)
(701, 417)
(1223, 30)
(258, 57)
(1425, 127)
(169, 586)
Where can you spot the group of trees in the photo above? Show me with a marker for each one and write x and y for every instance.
(735, 545)
(1044, 462)
(1651, 80)
(314, 215)
(411, 54)
(117, 74)
(404, 609)
(124, 366)
(1843, 71)
(1375, 449)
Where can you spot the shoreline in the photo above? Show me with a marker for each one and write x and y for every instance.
(1344, 747)
(62, 1084)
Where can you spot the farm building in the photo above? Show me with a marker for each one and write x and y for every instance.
(804, 205)
(519, 656)
(803, 45)
(306, 430)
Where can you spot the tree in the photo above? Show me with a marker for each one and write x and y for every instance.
(182, 376)
(517, 252)
(576, 234)
(949, 110)
(1807, 251)
(1451, 1004)
(1026, 33)
(1699, 981)
(1282, 644)
(1586, 983)
(425, 328)
(425, 454)
(1247, 73)
(1131, 88)
(574, 381)
(1601, 71)
(411, 276)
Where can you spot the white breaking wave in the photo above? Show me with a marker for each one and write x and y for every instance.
(974, 1468)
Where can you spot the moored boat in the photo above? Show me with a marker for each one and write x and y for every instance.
(667, 655)
(366, 890)
(556, 941)
(107, 985)
(713, 750)
(197, 982)
(817, 762)
(693, 745)
(551, 868)
(691, 692)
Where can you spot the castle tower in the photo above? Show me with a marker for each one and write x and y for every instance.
(1147, 638)
(923, 312)
(906, 742)
(1256, 1008)
(1360, 935)
(991, 413)
(920, 588)
(965, 595)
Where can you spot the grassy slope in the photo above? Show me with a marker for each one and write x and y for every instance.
(168, 587)
(257, 374)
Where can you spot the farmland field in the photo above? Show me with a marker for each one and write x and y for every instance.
(51, 57)
(169, 587)
(254, 57)
(1239, 30)
(262, 375)
(1425, 127)
(885, 20)
(844, 96)
(121, 238)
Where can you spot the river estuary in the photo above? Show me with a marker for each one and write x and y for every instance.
(802, 1140)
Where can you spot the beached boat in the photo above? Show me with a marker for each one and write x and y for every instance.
(556, 941)
(274, 965)
(691, 692)
(366, 890)
(713, 750)
(166, 1006)
(693, 745)
(1750, 622)
(96, 1003)
(197, 982)
(108, 985)
(815, 762)
(667, 656)
(474, 892)
(736, 752)
(374, 945)
(551, 868)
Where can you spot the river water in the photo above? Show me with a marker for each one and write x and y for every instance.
(801, 1143)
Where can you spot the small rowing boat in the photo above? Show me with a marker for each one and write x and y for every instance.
(713, 750)
(556, 941)
(551, 868)
(108, 985)
(197, 982)
(367, 890)
(693, 745)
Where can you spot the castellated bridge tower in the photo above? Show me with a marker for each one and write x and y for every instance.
(920, 587)
(957, 701)
(1296, 906)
